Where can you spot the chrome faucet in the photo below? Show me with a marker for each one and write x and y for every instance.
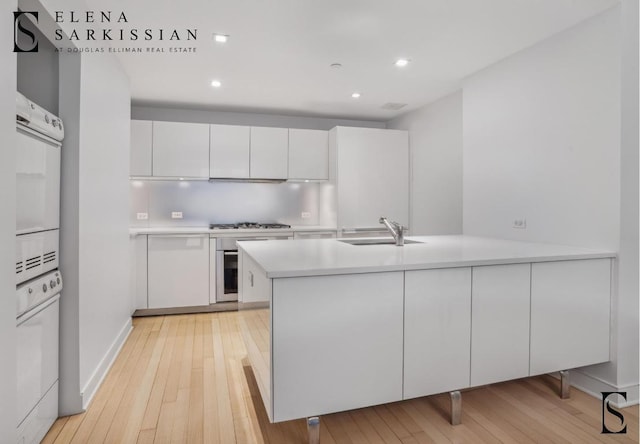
(397, 230)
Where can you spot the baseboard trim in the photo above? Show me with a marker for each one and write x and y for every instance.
(594, 386)
(107, 361)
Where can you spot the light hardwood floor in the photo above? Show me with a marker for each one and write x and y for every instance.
(185, 379)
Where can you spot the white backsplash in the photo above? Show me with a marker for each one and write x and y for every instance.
(203, 202)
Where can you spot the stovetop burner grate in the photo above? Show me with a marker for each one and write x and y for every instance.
(249, 225)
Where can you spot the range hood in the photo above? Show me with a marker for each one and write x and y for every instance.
(247, 180)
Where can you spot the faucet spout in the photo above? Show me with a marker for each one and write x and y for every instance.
(396, 230)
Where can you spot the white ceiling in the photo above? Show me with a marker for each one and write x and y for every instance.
(278, 54)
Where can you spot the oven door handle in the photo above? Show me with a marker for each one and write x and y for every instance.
(230, 253)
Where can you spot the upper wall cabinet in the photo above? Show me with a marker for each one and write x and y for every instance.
(269, 153)
(195, 150)
(180, 149)
(230, 151)
(141, 146)
(308, 154)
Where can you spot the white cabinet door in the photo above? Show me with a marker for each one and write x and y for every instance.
(229, 147)
(141, 147)
(570, 303)
(139, 271)
(308, 154)
(213, 269)
(500, 323)
(269, 153)
(337, 343)
(437, 332)
(253, 284)
(37, 357)
(178, 271)
(372, 176)
(180, 149)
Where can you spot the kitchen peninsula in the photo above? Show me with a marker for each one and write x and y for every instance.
(332, 326)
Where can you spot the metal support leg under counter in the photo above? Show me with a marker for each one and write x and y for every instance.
(456, 407)
(565, 386)
(313, 429)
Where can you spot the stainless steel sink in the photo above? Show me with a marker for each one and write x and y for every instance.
(381, 241)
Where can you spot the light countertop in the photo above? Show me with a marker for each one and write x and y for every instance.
(224, 232)
(315, 257)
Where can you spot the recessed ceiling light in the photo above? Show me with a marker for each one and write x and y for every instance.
(355, 95)
(220, 38)
(402, 62)
(216, 83)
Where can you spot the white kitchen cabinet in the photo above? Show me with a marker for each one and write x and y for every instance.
(308, 154)
(437, 324)
(324, 234)
(372, 176)
(180, 149)
(336, 343)
(570, 303)
(269, 153)
(213, 269)
(139, 271)
(141, 148)
(178, 270)
(500, 323)
(253, 284)
(229, 151)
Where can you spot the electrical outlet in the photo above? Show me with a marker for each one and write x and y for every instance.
(520, 223)
(176, 215)
(305, 215)
(142, 216)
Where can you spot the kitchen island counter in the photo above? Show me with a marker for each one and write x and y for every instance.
(330, 326)
(316, 257)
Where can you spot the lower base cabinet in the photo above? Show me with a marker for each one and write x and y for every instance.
(437, 337)
(178, 271)
(336, 343)
(501, 298)
(340, 342)
(570, 309)
(138, 254)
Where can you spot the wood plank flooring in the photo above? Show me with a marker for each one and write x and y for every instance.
(185, 379)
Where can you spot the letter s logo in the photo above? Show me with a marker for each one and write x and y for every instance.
(24, 39)
(607, 405)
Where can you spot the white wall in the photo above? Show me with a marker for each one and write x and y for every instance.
(435, 140)
(551, 135)
(235, 118)
(542, 137)
(104, 205)
(95, 105)
(7, 227)
(628, 310)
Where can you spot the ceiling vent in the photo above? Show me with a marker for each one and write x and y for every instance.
(393, 106)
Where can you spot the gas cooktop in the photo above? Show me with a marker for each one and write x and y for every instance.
(249, 225)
